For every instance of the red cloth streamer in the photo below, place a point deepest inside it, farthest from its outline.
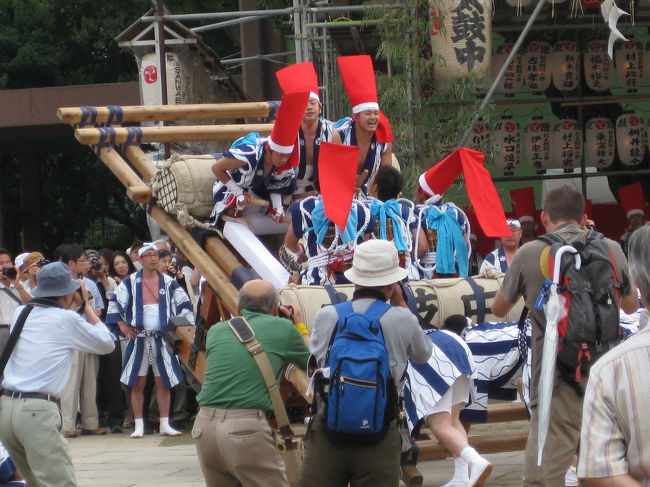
(337, 174)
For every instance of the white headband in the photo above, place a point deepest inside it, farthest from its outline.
(636, 211)
(513, 223)
(362, 107)
(147, 246)
(526, 218)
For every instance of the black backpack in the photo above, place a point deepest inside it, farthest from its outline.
(591, 325)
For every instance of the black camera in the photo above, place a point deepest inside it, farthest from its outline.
(42, 263)
(9, 272)
(95, 264)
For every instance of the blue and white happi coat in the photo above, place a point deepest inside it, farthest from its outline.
(495, 260)
(500, 351)
(7, 469)
(250, 177)
(323, 256)
(425, 384)
(345, 128)
(127, 306)
(452, 245)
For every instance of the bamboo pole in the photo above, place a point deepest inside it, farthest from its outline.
(167, 113)
(141, 161)
(139, 194)
(120, 169)
(176, 133)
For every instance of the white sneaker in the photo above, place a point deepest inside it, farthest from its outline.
(479, 470)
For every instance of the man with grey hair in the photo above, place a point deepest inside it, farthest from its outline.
(615, 424)
(563, 215)
(233, 438)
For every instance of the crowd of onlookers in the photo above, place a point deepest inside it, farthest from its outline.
(95, 402)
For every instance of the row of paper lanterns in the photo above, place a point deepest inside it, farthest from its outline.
(541, 64)
(561, 144)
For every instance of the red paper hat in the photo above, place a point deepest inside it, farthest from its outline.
(480, 188)
(287, 122)
(299, 77)
(337, 176)
(358, 76)
(589, 209)
(632, 199)
(523, 204)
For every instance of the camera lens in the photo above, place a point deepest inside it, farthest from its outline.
(95, 264)
(9, 273)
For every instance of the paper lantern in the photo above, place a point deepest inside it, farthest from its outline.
(646, 61)
(566, 144)
(566, 65)
(630, 139)
(537, 66)
(150, 79)
(629, 65)
(537, 144)
(506, 136)
(597, 66)
(513, 79)
(461, 34)
(479, 134)
(599, 142)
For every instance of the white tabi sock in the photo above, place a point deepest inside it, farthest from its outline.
(138, 429)
(167, 430)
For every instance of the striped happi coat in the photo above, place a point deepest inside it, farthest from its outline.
(500, 351)
(450, 360)
(127, 305)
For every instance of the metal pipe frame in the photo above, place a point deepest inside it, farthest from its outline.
(263, 13)
(570, 175)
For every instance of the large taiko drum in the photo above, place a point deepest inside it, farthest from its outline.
(435, 300)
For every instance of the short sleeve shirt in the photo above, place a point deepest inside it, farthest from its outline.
(524, 278)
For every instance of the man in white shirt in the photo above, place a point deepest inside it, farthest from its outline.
(9, 295)
(38, 371)
(80, 394)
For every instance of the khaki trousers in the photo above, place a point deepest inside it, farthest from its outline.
(561, 440)
(330, 465)
(235, 447)
(30, 430)
(81, 392)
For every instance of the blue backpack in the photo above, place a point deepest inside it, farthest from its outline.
(361, 391)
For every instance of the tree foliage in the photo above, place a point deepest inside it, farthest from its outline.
(428, 118)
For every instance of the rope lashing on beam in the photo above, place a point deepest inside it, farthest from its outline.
(88, 116)
(115, 114)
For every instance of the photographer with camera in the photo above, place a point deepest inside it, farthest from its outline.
(10, 295)
(81, 390)
(29, 268)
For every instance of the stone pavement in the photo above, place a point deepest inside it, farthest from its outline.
(118, 461)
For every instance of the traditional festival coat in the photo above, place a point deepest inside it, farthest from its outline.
(127, 305)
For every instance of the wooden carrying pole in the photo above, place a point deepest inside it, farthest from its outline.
(168, 113)
(177, 133)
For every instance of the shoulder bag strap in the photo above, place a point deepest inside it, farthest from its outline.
(245, 333)
(11, 295)
(13, 337)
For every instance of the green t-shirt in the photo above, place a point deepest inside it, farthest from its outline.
(232, 378)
